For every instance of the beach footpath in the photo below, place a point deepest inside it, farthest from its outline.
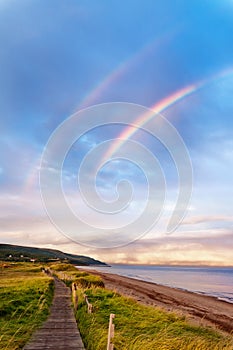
(60, 330)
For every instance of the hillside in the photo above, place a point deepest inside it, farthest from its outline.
(10, 252)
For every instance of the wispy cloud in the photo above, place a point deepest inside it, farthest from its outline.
(195, 220)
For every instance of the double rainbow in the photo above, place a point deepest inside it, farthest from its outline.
(129, 131)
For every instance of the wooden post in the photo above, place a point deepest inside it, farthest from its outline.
(74, 296)
(48, 272)
(111, 328)
(89, 308)
(89, 305)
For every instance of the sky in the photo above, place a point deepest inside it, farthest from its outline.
(175, 57)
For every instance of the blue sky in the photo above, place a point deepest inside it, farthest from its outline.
(57, 57)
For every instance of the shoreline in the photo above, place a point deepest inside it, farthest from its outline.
(221, 298)
(199, 309)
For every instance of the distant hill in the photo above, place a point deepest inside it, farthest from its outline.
(10, 252)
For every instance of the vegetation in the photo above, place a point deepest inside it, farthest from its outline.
(25, 297)
(62, 267)
(140, 327)
(137, 327)
(89, 281)
(66, 272)
(9, 252)
(69, 274)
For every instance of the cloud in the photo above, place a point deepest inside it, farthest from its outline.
(195, 220)
(216, 250)
(27, 224)
(34, 237)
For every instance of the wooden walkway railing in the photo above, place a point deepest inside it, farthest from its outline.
(111, 327)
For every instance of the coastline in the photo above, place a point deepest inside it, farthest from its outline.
(198, 308)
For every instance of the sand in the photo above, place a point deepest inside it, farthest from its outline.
(199, 309)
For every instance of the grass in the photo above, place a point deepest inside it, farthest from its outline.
(63, 267)
(69, 274)
(137, 327)
(25, 297)
(89, 281)
(64, 271)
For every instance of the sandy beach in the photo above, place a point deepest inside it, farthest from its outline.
(199, 309)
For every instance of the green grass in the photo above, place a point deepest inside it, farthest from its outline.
(25, 297)
(69, 274)
(139, 327)
(63, 267)
(89, 281)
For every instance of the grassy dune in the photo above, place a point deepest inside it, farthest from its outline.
(25, 297)
(137, 327)
(140, 327)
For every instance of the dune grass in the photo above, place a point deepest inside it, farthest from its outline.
(139, 327)
(69, 274)
(25, 297)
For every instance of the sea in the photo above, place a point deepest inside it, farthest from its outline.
(213, 281)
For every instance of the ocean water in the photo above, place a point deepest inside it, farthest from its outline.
(214, 281)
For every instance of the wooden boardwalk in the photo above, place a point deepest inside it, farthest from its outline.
(60, 331)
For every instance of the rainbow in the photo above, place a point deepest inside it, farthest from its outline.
(156, 108)
(124, 67)
(160, 106)
(32, 176)
(173, 98)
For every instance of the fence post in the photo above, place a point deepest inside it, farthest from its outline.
(89, 305)
(111, 328)
(89, 308)
(48, 271)
(74, 296)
